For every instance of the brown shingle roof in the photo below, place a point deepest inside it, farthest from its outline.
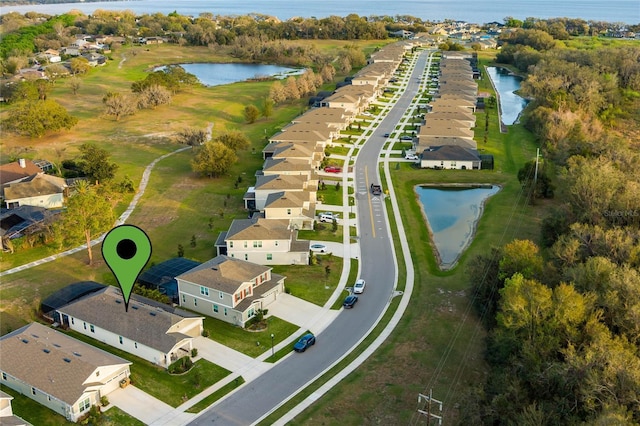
(53, 362)
(260, 229)
(224, 273)
(39, 184)
(12, 171)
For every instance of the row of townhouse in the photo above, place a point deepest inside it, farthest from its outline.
(445, 137)
(235, 285)
(284, 197)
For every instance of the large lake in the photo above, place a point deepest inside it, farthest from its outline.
(452, 214)
(218, 74)
(511, 105)
(433, 10)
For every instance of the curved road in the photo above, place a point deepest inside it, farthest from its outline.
(378, 267)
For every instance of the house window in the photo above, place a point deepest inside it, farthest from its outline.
(204, 291)
(135, 344)
(215, 308)
(276, 243)
(257, 244)
(84, 405)
(85, 325)
(269, 256)
(245, 244)
(230, 244)
(120, 339)
(251, 312)
(195, 302)
(184, 299)
(246, 256)
(4, 376)
(221, 294)
(93, 330)
(72, 320)
(225, 312)
(453, 164)
(33, 391)
(288, 211)
(233, 255)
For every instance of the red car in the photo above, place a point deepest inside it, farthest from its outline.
(332, 169)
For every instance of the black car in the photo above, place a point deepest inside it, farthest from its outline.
(304, 342)
(350, 301)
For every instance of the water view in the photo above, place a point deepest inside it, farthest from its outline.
(511, 105)
(219, 74)
(452, 214)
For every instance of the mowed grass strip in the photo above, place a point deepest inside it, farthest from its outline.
(210, 399)
(313, 283)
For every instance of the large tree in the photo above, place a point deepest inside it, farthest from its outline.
(213, 159)
(88, 214)
(96, 164)
(234, 139)
(251, 113)
(35, 118)
(119, 105)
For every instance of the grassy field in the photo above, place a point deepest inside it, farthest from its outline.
(312, 283)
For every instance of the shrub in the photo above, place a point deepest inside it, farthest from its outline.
(194, 352)
(205, 332)
(104, 401)
(182, 365)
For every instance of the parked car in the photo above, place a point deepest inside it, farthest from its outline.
(411, 157)
(304, 342)
(318, 248)
(386, 135)
(327, 217)
(406, 138)
(358, 287)
(350, 301)
(367, 114)
(333, 169)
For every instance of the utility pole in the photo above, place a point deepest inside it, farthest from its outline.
(429, 399)
(535, 174)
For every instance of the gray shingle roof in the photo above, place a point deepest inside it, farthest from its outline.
(143, 323)
(450, 153)
(53, 362)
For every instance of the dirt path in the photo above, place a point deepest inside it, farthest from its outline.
(124, 58)
(122, 219)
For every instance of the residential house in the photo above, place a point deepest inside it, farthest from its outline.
(266, 242)
(288, 166)
(58, 371)
(426, 142)
(450, 157)
(311, 152)
(6, 412)
(460, 115)
(330, 118)
(444, 130)
(24, 220)
(148, 329)
(307, 132)
(39, 190)
(256, 197)
(298, 207)
(229, 289)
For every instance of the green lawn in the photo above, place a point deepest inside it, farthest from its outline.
(157, 382)
(252, 343)
(39, 415)
(311, 282)
(324, 232)
(330, 195)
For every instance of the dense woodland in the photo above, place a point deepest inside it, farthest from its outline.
(563, 313)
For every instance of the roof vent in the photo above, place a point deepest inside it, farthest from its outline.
(66, 360)
(118, 301)
(46, 351)
(153, 314)
(77, 354)
(56, 345)
(134, 307)
(36, 336)
(25, 341)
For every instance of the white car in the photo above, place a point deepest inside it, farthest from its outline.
(318, 248)
(328, 217)
(411, 157)
(358, 287)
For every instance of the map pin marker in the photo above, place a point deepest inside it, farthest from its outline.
(126, 249)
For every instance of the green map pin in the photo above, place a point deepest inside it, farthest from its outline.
(126, 249)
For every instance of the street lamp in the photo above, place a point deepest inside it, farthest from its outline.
(271, 344)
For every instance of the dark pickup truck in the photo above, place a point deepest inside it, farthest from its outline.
(376, 189)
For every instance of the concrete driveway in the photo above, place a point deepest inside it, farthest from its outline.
(228, 358)
(301, 313)
(139, 404)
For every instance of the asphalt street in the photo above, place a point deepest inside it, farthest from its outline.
(260, 396)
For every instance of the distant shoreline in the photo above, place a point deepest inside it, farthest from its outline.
(48, 2)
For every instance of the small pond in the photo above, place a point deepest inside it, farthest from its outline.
(219, 74)
(452, 213)
(506, 83)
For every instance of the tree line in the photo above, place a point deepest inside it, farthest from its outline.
(562, 314)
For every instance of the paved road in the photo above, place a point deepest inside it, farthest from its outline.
(260, 396)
